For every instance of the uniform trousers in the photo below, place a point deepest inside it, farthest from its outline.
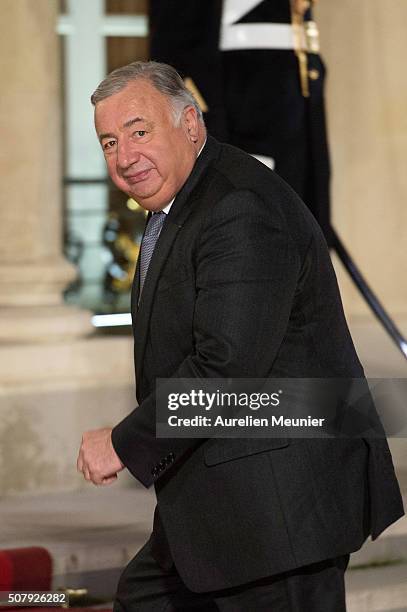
(145, 587)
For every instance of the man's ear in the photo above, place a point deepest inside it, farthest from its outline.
(191, 123)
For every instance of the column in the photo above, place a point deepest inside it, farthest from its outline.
(33, 271)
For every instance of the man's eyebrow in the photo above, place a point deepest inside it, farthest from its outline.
(106, 135)
(128, 124)
(131, 122)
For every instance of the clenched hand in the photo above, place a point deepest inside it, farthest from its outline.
(97, 459)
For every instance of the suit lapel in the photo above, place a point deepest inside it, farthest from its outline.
(176, 218)
(135, 287)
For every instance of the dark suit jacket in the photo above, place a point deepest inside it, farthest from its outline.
(241, 285)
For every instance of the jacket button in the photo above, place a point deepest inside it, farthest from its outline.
(313, 74)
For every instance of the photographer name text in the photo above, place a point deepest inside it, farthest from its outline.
(245, 421)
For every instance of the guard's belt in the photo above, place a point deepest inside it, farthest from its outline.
(269, 36)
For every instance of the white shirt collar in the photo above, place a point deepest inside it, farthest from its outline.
(166, 209)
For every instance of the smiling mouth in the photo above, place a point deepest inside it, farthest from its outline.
(137, 177)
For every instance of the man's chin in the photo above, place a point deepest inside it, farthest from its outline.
(152, 195)
(148, 201)
(143, 194)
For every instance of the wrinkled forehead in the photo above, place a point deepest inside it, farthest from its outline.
(139, 98)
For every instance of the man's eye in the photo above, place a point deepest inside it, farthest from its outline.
(108, 145)
(140, 133)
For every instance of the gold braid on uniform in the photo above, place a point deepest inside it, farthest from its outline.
(306, 40)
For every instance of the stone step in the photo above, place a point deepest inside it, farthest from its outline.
(391, 546)
(378, 589)
(92, 533)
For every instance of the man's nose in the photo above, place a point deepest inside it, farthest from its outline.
(127, 154)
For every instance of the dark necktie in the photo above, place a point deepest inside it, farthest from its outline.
(150, 238)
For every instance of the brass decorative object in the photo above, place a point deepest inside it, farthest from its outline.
(189, 83)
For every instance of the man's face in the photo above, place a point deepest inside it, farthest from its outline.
(147, 156)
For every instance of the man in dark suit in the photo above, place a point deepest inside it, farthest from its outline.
(234, 281)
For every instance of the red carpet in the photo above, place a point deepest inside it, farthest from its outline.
(29, 569)
(25, 569)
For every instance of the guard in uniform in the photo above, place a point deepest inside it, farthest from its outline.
(256, 71)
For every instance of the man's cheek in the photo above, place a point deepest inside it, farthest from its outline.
(115, 176)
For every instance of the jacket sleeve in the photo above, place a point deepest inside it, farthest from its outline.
(246, 275)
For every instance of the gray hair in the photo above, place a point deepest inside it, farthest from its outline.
(162, 76)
